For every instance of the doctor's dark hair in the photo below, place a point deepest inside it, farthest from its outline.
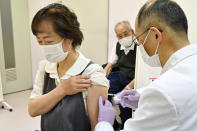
(167, 12)
(63, 20)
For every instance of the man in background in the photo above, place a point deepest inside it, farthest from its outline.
(123, 57)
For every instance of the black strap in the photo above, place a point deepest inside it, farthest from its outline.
(87, 67)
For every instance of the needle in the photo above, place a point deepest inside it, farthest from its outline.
(110, 94)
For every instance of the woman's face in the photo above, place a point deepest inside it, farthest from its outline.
(47, 35)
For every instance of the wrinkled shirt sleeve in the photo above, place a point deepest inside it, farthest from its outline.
(113, 56)
(97, 75)
(39, 80)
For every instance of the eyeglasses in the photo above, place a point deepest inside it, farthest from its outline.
(135, 40)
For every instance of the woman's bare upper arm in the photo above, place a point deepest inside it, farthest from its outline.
(92, 102)
(96, 91)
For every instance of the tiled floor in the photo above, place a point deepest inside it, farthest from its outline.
(19, 119)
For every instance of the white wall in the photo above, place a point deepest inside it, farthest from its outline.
(1, 59)
(189, 7)
(127, 10)
(93, 17)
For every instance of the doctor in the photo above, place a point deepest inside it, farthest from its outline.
(169, 103)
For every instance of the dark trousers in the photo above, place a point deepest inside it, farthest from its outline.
(117, 84)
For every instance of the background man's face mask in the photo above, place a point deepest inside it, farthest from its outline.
(126, 42)
(150, 60)
(54, 53)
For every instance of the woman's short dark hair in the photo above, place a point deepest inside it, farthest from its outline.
(63, 20)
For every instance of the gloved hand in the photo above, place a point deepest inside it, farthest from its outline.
(106, 111)
(130, 97)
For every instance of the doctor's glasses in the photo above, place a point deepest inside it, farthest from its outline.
(135, 40)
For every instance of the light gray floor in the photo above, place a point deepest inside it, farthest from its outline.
(19, 119)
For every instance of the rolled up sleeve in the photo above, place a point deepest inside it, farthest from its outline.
(97, 75)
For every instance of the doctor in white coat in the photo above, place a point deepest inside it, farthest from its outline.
(170, 102)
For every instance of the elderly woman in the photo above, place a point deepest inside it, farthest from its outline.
(67, 85)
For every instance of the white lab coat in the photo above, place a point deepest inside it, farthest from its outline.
(170, 102)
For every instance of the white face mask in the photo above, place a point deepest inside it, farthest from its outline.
(54, 53)
(126, 42)
(150, 60)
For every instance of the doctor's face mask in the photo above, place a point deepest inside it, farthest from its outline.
(153, 60)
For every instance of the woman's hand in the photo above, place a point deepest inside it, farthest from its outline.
(76, 84)
(44, 103)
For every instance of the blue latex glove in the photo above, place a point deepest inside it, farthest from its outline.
(128, 97)
(106, 111)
